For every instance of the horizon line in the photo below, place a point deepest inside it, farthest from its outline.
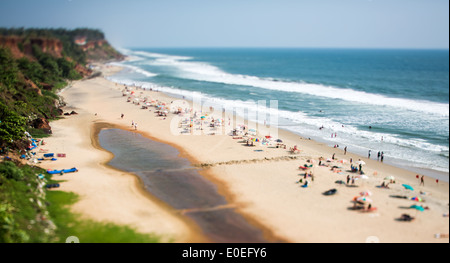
(284, 47)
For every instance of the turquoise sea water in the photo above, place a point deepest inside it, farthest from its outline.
(395, 101)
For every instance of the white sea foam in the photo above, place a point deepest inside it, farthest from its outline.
(135, 69)
(415, 151)
(207, 72)
(393, 145)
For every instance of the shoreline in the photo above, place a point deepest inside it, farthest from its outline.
(397, 163)
(267, 191)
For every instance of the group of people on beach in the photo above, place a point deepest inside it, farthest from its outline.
(380, 155)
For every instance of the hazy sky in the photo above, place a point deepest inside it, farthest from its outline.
(244, 23)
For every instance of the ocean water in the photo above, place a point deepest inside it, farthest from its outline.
(394, 101)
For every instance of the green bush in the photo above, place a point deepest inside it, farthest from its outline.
(21, 205)
(12, 126)
(10, 171)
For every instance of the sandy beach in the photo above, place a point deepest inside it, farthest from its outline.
(261, 182)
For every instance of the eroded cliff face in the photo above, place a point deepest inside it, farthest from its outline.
(23, 47)
(101, 50)
(52, 58)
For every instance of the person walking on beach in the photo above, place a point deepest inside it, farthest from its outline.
(422, 181)
(378, 155)
(348, 179)
(369, 154)
(135, 126)
(345, 150)
(382, 156)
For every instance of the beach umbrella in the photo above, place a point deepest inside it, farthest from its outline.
(366, 193)
(361, 162)
(408, 187)
(417, 198)
(417, 207)
(389, 177)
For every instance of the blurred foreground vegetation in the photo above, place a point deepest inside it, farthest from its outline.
(30, 213)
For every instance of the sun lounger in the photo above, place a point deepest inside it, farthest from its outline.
(62, 171)
(368, 210)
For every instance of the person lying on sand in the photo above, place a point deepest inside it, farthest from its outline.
(384, 185)
(406, 218)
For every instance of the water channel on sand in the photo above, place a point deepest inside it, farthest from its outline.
(173, 180)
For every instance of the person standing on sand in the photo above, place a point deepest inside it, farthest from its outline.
(378, 156)
(422, 181)
(345, 150)
(369, 154)
(135, 126)
(382, 156)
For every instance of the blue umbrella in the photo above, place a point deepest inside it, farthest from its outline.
(408, 187)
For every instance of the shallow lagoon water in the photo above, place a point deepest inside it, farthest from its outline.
(173, 180)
